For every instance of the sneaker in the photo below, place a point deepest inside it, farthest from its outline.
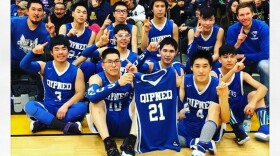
(127, 147)
(37, 126)
(211, 147)
(241, 136)
(198, 150)
(263, 133)
(193, 143)
(111, 148)
(73, 128)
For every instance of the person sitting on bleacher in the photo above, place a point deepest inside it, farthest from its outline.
(64, 87)
(240, 103)
(250, 37)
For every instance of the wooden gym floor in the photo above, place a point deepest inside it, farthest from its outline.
(54, 143)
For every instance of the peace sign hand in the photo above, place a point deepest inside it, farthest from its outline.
(104, 39)
(147, 25)
(199, 30)
(39, 49)
(239, 65)
(222, 88)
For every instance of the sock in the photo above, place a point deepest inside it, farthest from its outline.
(57, 124)
(132, 138)
(236, 130)
(74, 128)
(182, 141)
(208, 131)
(262, 116)
(232, 118)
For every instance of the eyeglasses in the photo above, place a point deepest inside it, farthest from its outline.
(121, 11)
(123, 35)
(116, 62)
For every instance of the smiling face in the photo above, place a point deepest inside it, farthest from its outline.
(122, 38)
(167, 53)
(201, 70)
(111, 64)
(59, 10)
(60, 53)
(245, 16)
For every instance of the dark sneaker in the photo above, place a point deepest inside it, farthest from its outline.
(127, 147)
(37, 126)
(111, 148)
(73, 128)
(263, 133)
(240, 134)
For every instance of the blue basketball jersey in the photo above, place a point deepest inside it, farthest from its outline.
(175, 64)
(112, 42)
(235, 86)
(156, 33)
(119, 98)
(198, 102)
(207, 44)
(59, 86)
(156, 97)
(77, 43)
(118, 115)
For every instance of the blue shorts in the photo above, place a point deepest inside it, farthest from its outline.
(119, 123)
(192, 132)
(237, 106)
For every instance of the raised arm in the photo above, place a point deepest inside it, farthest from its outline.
(106, 23)
(27, 63)
(222, 91)
(218, 44)
(145, 34)
(134, 39)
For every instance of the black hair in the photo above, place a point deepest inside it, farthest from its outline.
(34, 1)
(119, 3)
(202, 55)
(243, 5)
(60, 3)
(164, 1)
(226, 49)
(167, 41)
(119, 27)
(59, 40)
(79, 3)
(109, 51)
(207, 12)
